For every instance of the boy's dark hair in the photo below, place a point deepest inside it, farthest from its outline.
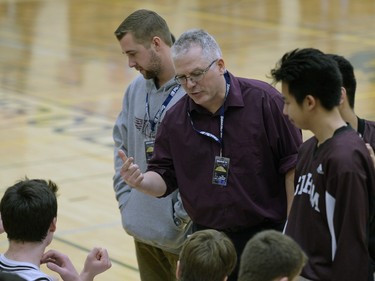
(310, 72)
(28, 209)
(348, 78)
(144, 25)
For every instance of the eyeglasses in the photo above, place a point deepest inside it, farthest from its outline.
(195, 77)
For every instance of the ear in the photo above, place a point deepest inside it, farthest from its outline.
(156, 43)
(310, 102)
(178, 272)
(52, 227)
(225, 278)
(221, 65)
(343, 95)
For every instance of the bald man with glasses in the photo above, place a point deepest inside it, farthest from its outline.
(226, 145)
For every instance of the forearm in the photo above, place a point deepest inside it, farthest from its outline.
(289, 188)
(152, 184)
(86, 276)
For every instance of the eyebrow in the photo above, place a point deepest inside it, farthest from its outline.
(129, 51)
(195, 69)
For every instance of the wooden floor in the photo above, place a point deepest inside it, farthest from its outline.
(62, 78)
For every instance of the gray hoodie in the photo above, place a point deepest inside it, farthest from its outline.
(160, 222)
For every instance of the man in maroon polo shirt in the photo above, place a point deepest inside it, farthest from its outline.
(226, 145)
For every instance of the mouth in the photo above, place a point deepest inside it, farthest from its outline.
(138, 68)
(195, 93)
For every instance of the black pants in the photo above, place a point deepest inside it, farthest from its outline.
(240, 237)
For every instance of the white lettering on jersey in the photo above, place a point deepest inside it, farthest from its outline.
(305, 185)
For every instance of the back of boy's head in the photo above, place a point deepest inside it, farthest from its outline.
(28, 209)
(207, 255)
(348, 77)
(310, 72)
(270, 255)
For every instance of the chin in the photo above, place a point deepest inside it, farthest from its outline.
(148, 75)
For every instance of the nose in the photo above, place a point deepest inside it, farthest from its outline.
(131, 63)
(190, 83)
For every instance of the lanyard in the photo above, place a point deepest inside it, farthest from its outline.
(219, 139)
(161, 109)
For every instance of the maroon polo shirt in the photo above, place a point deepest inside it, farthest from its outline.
(259, 140)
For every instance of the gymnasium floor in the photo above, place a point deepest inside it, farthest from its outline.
(62, 78)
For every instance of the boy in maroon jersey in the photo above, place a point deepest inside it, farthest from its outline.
(365, 128)
(334, 172)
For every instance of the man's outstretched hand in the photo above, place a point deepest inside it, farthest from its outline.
(130, 172)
